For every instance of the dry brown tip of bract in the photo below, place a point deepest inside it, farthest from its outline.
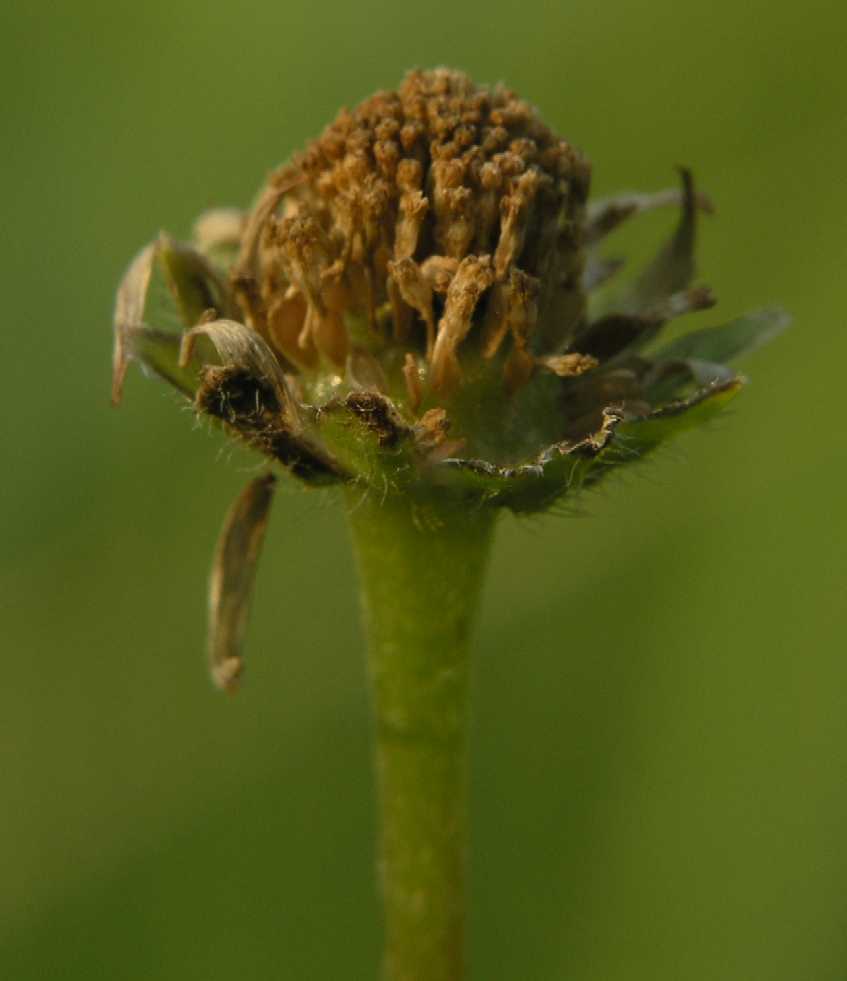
(420, 202)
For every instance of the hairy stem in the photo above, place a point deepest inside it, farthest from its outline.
(421, 569)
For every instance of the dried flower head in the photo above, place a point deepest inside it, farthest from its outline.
(410, 215)
(418, 303)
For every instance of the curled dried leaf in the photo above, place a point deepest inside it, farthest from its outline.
(231, 582)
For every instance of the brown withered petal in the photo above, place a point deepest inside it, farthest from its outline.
(231, 581)
(243, 348)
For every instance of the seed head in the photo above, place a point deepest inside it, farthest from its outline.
(418, 303)
(440, 216)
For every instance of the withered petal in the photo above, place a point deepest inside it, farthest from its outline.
(232, 577)
(242, 347)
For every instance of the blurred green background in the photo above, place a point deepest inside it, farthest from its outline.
(660, 739)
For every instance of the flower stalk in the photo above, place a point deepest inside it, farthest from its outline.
(421, 568)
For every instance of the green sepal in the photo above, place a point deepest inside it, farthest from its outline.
(720, 345)
(158, 353)
(194, 283)
(635, 438)
(566, 468)
(563, 467)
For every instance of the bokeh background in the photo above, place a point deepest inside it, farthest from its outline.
(660, 734)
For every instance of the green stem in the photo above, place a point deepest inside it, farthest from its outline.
(421, 569)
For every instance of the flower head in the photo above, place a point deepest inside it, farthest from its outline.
(418, 303)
